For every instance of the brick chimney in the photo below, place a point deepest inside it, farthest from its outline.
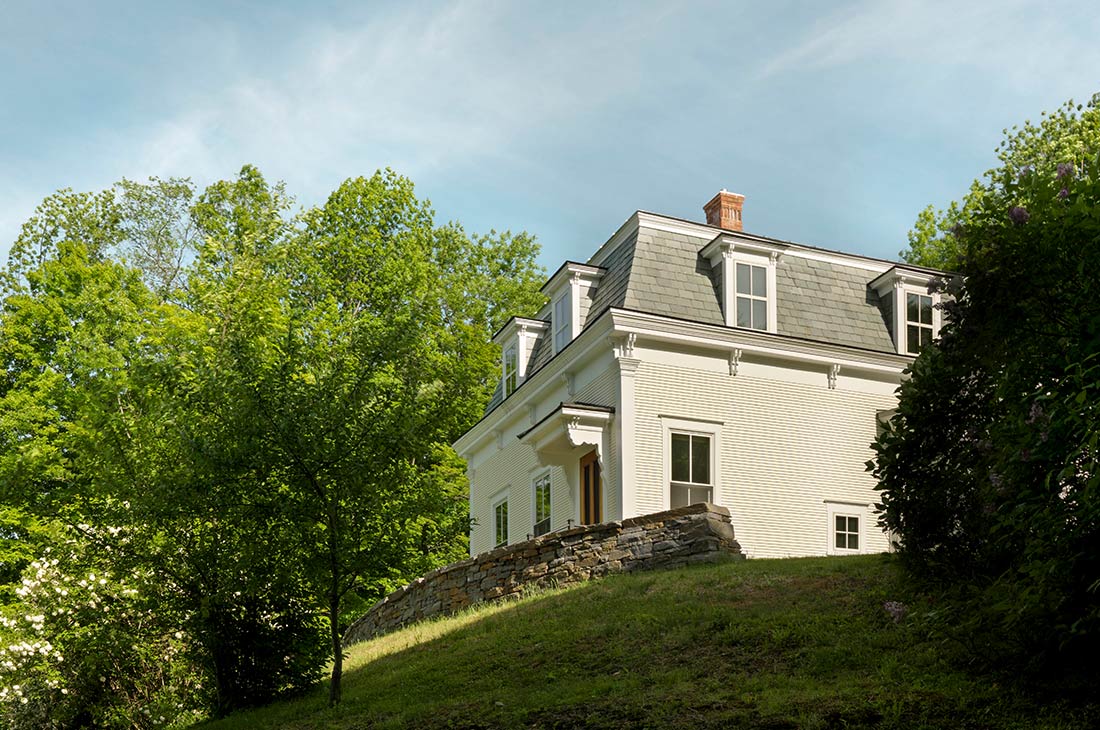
(724, 210)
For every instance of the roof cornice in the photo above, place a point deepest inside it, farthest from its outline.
(902, 274)
(570, 269)
(514, 325)
(729, 242)
(785, 347)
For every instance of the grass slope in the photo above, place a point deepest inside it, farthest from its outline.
(799, 643)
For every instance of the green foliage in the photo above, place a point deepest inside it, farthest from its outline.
(989, 473)
(22, 535)
(85, 647)
(1068, 135)
(261, 404)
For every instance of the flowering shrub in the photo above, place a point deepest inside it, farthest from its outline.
(81, 647)
(989, 474)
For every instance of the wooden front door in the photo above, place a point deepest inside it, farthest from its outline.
(591, 490)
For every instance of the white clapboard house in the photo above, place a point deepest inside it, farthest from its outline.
(693, 362)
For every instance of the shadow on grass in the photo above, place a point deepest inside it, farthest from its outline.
(799, 643)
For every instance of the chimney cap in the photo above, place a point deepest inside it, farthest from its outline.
(724, 210)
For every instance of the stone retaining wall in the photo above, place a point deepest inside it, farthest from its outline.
(696, 534)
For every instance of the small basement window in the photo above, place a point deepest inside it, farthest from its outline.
(846, 533)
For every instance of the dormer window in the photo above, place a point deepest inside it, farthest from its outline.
(918, 322)
(752, 296)
(562, 322)
(570, 289)
(747, 273)
(910, 308)
(509, 371)
(517, 340)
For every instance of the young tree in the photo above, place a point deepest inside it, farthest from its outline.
(359, 347)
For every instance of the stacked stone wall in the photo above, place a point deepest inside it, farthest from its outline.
(696, 534)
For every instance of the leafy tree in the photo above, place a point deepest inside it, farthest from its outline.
(86, 438)
(1068, 135)
(260, 404)
(358, 348)
(990, 473)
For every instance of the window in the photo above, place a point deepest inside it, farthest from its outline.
(500, 522)
(509, 371)
(563, 323)
(752, 296)
(918, 322)
(846, 533)
(542, 505)
(690, 469)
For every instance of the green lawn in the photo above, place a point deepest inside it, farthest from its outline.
(799, 643)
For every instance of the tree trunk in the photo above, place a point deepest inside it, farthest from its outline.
(337, 650)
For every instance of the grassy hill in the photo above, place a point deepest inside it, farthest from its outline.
(801, 643)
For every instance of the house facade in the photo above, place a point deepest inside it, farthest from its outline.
(693, 362)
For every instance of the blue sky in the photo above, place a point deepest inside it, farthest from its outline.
(837, 121)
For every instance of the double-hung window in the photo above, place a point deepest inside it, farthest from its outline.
(692, 481)
(542, 505)
(563, 322)
(846, 533)
(918, 322)
(752, 296)
(500, 523)
(509, 371)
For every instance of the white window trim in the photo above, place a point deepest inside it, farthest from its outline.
(845, 509)
(713, 429)
(901, 316)
(559, 325)
(535, 501)
(732, 257)
(898, 284)
(514, 349)
(498, 499)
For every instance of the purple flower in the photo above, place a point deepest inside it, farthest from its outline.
(1063, 193)
(1035, 413)
(1066, 169)
(1018, 215)
(1024, 172)
(896, 609)
(957, 230)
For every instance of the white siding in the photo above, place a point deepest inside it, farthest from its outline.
(513, 465)
(603, 390)
(789, 444)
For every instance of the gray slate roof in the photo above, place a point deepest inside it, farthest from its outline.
(662, 273)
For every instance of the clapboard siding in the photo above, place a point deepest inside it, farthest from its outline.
(786, 448)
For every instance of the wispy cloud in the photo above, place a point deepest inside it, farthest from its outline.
(416, 88)
(1018, 40)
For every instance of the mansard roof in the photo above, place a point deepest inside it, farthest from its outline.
(655, 264)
